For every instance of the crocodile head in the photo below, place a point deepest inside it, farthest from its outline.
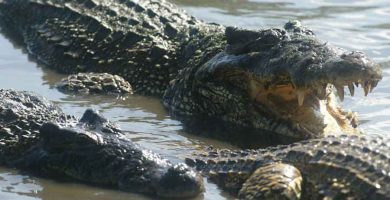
(95, 151)
(281, 81)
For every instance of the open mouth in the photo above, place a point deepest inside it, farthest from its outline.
(294, 98)
(313, 111)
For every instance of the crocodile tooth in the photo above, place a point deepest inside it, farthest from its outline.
(340, 92)
(357, 84)
(351, 89)
(373, 85)
(367, 87)
(300, 96)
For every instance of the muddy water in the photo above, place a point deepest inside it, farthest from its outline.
(362, 25)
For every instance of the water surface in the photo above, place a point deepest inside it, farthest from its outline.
(362, 25)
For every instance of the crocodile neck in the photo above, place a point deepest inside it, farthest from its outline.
(147, 42)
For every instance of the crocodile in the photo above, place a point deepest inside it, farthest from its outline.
(334, 167)
(37, 137)
(278, 82)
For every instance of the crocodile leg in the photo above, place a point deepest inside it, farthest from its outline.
(274, 181)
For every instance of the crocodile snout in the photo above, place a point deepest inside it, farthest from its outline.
(180, 181)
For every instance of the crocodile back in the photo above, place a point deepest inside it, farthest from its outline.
(339, 167)
(137, 40)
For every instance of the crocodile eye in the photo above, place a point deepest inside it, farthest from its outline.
(243, 41)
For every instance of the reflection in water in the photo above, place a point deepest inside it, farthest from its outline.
(352, 24)
(25, 187)
(234, 7)
(275, 9)
(14, 186)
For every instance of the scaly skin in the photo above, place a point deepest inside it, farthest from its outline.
(95, 83)
(344, 167)
(37, 137)
(278, 82)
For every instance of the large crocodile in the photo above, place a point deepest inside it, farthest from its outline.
(276, 80)
(36, 136)
(344, 167)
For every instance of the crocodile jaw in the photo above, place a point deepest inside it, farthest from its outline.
(309, 113)
(337, 121)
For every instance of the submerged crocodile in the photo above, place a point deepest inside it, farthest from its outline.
(344, 167)
(36, 136)
(278, 81)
